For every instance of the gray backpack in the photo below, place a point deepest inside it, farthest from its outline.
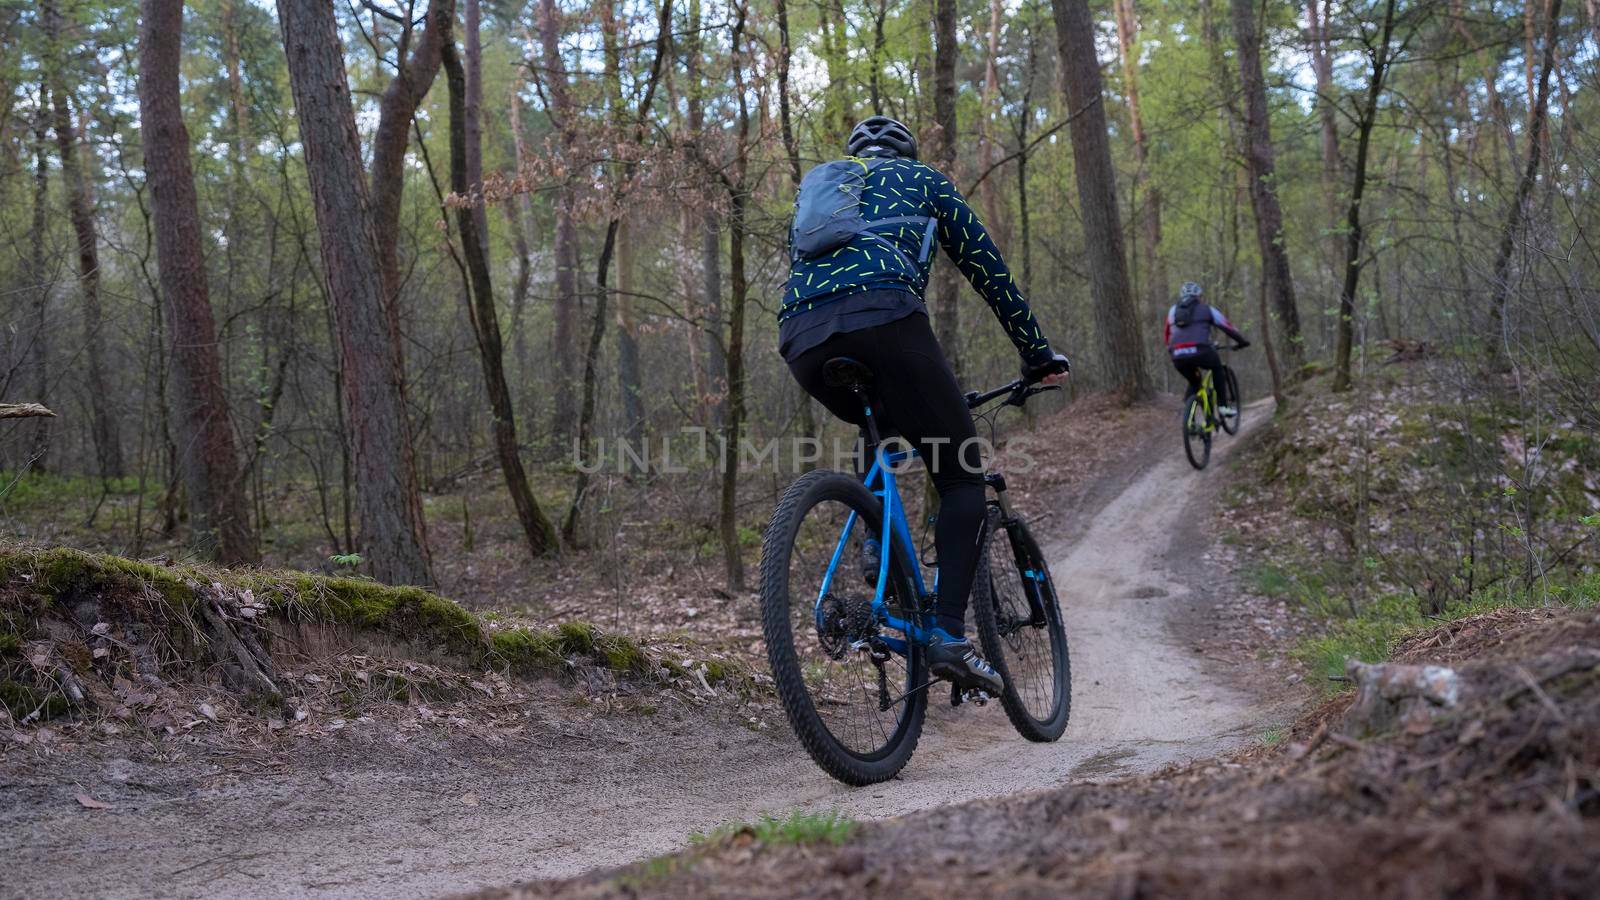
(827, 211)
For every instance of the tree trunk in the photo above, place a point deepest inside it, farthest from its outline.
(396, 106)
(807, 417)
(238, 109)
(628, 374)
(519, 292)
(713, 360)
(38, 277)
(597, 332)
(1258, 155)
(472, 62)
(1499, 351)
(946, 284)
(208, 459)
(536, 528)
(786, 127)
(566, 236)
(1024, 113)
(519, 217)
(1353, 236)
(1116, 317)
(1148, 208)
(738, 197)
(389, 506)
(103, 425)
(988, 147)
(1332, 166)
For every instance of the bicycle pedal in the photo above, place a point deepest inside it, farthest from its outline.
(970, 695)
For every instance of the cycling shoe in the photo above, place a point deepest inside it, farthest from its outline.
(959, 662)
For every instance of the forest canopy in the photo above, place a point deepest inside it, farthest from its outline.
(356, 252)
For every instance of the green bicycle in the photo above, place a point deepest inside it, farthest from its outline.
(1202, 414)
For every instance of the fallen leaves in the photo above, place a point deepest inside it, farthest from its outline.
(88, 802)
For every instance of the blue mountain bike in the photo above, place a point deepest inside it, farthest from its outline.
(846, 612)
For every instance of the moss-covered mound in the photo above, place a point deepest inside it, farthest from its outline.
(1429, 479)
(75, 626)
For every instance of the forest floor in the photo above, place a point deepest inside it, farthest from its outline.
(1488, 789)
(1172, 663)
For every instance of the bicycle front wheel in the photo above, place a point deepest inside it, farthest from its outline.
(1230, 383)
(1196, 439)
(855, 697)
(1019, 624)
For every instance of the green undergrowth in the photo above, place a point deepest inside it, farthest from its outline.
(797, 828)
(1370, 630)
(34, 488)
(77, 589)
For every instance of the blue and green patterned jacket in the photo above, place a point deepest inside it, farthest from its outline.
(906, 187)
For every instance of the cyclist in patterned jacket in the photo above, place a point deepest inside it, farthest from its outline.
(1188, 338)
(864, 300)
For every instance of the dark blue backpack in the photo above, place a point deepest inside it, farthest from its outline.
(827, 211)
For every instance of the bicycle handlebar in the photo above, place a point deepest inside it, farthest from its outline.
(1019, 391)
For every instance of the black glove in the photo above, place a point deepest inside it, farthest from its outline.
(1240, 345)
(1056, 363)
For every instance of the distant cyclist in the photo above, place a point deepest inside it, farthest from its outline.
(860, 253)
(1188, 338)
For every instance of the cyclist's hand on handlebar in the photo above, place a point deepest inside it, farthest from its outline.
(1050, 372)
(1240, 345)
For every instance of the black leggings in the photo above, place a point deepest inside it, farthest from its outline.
(917, 396)
(1190, 366)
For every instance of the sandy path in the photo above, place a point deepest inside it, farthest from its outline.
(398, 825)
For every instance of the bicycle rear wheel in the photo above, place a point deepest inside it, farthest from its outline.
(1230, 389)
(845, 687)
(1019, 625)
(1196, 439)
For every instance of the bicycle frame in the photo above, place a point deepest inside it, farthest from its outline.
(894, 531)
(1208, 399)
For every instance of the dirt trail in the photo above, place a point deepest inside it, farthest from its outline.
(403, 821)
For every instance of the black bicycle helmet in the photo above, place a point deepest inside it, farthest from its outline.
(1191, 290)
(881, 133)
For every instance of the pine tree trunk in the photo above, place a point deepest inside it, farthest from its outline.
(388, 503)
(396, 106)
(1148, 197)
(218, 512)
(38, 277)
(472, 64)
(806, 408)
(988, 147)
(1116, 316)
(946, 283)
(1259, 158)
(628, 373)
(738, 199)
(1332, 166)
(713, 359)
(104, 427)
(566, 236)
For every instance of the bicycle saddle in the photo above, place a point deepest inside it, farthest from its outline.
(844, 372)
